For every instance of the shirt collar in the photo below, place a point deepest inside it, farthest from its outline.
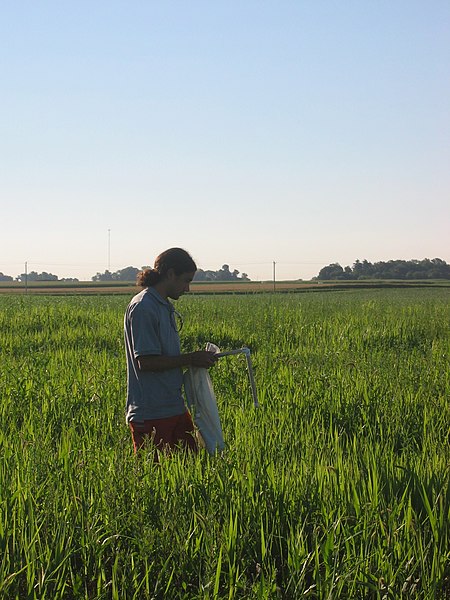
(151, 290)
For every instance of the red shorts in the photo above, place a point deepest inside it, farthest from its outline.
(165, 433)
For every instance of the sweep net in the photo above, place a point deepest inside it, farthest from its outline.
(203, 406)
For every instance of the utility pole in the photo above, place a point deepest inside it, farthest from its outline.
(26, 277)
(109, 250)
(274, 277)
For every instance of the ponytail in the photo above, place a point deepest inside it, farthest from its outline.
(148, 277)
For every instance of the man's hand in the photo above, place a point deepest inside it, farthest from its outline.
(203, 359)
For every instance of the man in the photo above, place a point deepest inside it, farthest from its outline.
(155, 405)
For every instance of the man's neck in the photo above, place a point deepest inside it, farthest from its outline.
(161, 289)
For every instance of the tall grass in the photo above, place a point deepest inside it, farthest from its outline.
(336, 487)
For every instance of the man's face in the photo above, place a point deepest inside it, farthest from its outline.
(178, 284)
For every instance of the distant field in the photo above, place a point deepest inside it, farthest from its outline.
(234, 287)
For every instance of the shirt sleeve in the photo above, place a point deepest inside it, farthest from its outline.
(145, 332)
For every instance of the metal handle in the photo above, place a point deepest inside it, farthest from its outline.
(248, 359)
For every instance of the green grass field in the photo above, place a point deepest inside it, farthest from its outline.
(338, 486)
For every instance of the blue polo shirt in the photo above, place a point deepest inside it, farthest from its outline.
(150, 329)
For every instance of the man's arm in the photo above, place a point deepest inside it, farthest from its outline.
(201, 358)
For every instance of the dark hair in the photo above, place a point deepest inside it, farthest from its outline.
(174, 258)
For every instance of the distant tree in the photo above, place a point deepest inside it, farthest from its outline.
(130, 274)
(362, 270)
(69, 280)
(348, 273)
(5, 277)
(333, 271)
(223, 274)
(106, 276)
(438, 268)
(435, 268)
(126, 274)
(34, 276)
(201, 275)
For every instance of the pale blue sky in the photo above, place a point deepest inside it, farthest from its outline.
(301, 132)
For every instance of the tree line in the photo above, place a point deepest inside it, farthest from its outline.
(35, 276)
(130, 274)
(434, 268)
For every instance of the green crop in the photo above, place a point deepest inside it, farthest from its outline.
(336, 487)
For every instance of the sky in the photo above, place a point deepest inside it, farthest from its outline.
(246, 131)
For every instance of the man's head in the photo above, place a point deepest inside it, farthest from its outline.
(172, 273)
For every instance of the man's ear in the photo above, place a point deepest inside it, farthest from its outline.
(171, 274)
